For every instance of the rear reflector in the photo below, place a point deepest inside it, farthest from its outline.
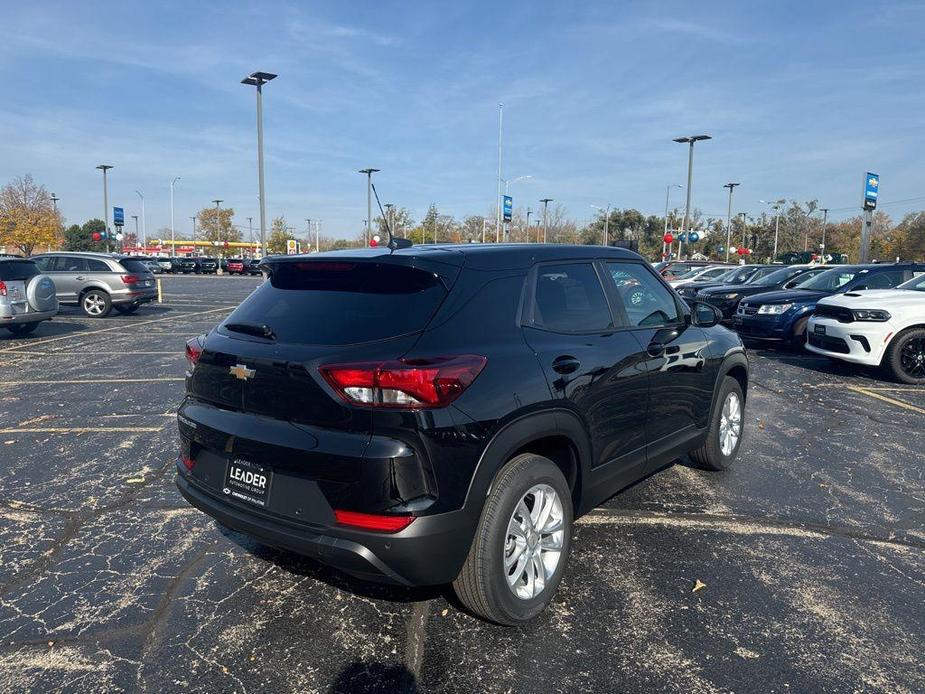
(194, 350)
(130, 279)
(2, 288)
(373, 521)
(188, 462)
(405, 383)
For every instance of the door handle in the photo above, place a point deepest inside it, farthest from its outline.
(565, 364)
(80, 277)
(655, 349)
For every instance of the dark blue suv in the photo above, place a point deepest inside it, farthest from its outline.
(782, 316)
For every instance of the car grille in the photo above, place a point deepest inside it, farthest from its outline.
(829, 344)
(747, 310)
(842, 315)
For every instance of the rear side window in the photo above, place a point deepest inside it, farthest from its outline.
(569, 298)
(133, 265)
(646, 301)
(12, 270)
(338, 303)
(95, 265)
(884, 280)
(65, 263)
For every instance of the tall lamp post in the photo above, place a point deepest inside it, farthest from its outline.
(527, 235)
(825, 215)
(369, 201)
(258, 79)
(144, 232)
(507, 186)
(665, 233)
(776, 207)
(690, 139)
(545, 202)
(218, 204)
(606, 211)
(498, 201)
(135, 217)
(388, 214)
(194, 227)
(104, 168)
(730, 186)
(173, 232)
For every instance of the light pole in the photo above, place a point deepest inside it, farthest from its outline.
(665, 233)
(194, 227)
(507, 187)
(218, 203)
(173, 232)
(606, 211)
(825, 215)
(144, 232)
(369, 201)
(690, 139)
(498, 217)
(730, 186)
(545, 202)
(135, 217)
(54, 202)
(104, 168)
(258, 79)
(250, 231)
(776, 207)
(388, 215)
(529, 212)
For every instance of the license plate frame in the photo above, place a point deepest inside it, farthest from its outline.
(819, 329)
(248, 482)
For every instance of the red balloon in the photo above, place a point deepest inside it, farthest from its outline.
(748, 251)
(96, 236)
(741, 251)
(373, 243)
(668, 238)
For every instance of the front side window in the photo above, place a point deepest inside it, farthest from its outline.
(569, 298)
(882, 280)
(916, 284)
(830, 280)
(645, 300)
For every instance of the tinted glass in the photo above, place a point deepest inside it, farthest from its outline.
(646, 300)
(916, 284)
(830, 280)
(11, 270)
(94, 265)
(45, 263)
(64, 263)
(742, 275)
(759, 274)
(569, 298)
(337, 303)
(777, 276)
(133, 265)
(882, 280)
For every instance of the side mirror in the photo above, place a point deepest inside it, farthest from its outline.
(705, 315)
(790, 285)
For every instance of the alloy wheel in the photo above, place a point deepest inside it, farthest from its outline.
(730, 424)
(534, 540)
(912, 358)
(94, 304)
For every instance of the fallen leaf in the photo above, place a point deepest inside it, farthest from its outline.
(135, 480)
(7, 443)
(51, 643)
(698, 585)
(444, 613)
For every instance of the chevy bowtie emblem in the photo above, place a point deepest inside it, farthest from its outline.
(242, 372)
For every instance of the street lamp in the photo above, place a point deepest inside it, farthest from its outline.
(104, 168)
(606, 212)
(54, 202)
(498, 201)
(369, 201)
(144, 233)
(507, 185)
(730, 186)
(545, 202)
(258, 79)
(218, 203)
(776, 207)
(388, 214)
(825, 215)
(135, 217)
(690, 139)
(194, 227)
(529, 212)
(173, 233)
(667, 194)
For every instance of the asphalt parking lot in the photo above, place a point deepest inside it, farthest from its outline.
(811, 550)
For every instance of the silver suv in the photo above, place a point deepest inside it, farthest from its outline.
(27, 297)
(98, 282)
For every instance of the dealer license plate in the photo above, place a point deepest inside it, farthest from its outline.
(248, 482)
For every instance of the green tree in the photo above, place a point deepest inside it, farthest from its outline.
(401, 221)
(279, 234)
(80, 238)
(217, 225)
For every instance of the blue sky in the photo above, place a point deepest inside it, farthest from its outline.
(801, 99)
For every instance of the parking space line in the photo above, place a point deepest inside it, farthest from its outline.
(84, 430)
(164, 379)
(884, 398)
(46, 340)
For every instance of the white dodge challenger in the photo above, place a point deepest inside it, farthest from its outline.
(876, 327)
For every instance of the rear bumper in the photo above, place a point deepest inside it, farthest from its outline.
(135, 296)
(430, 551)
(9, 318)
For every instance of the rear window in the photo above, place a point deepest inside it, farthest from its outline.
(134, 265)
(338, 303)
(11, 270)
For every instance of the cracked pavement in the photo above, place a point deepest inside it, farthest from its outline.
(811, 549)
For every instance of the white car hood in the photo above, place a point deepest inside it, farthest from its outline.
(878, 298)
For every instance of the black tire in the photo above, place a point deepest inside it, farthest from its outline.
(126, 309)
(905, 357)
(710, 455)
(482, 584)
(798, 338)
(95, 303)
(22, 328)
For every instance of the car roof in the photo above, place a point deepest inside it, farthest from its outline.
(489, 256)
(86, 254)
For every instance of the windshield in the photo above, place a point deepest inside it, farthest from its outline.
(916, 284)
(741, 275)
(830, 280)
(11, 270)
(759, 274)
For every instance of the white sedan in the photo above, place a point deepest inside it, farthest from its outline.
(701, 274)
(876, 327)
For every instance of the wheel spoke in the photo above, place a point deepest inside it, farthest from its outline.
(534, 541)
(519, 548)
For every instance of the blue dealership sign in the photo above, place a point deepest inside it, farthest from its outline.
(118, 216)
(871, 190)
(508, 208)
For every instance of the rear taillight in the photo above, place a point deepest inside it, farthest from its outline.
(130, 279)
(373, 521)
(2, 288)
(194, 350)
(188, 462)
(405, 383)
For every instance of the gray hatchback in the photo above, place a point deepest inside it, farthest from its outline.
(98, 283)
(27, 297)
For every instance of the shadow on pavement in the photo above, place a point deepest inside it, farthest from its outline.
(365, 678)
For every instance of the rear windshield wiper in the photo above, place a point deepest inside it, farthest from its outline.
(264, 331)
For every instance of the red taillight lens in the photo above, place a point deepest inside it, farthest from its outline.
(130, 279)
(405, 383)
(2, 288)
(373, 521)
(194, 350)
(188, 462)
